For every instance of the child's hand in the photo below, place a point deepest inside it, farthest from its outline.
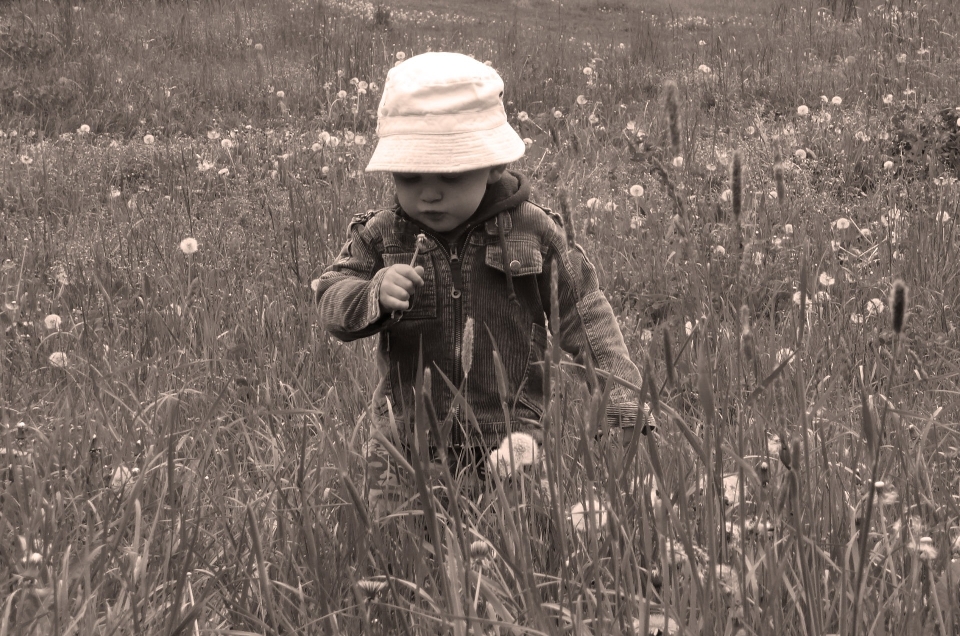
(399, 284)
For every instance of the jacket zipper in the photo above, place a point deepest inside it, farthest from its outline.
(454, 256)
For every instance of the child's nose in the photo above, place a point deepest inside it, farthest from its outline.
(431, 194)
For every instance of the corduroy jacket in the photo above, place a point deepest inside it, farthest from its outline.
(472, 278)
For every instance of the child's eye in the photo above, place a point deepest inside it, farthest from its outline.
(406, 178)
(450, 178)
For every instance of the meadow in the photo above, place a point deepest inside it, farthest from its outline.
(768, 192)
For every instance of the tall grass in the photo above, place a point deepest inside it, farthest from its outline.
(182, 444)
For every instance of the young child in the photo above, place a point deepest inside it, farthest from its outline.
(463, 244)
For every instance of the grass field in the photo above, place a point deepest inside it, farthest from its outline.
(182, 443)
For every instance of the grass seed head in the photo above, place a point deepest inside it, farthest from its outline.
(898, 304)
(736, 184)
(673, 113)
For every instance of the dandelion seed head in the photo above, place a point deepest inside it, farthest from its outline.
(826, 279)
(587, 71)
(149, 139)
(703, 68)
(226, 144)
(803, 110)
(523, 116)
(581, 100)
(842, 223)
(837, 100)
(59, 360)
(188, 245)
(52, 322)
(888, 165)
(83, 129)
(800, 154)
(580, 515)
(636, 190)
(677, 162)
(558, 114)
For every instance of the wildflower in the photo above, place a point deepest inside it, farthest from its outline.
(334, 142)
(224, 172)
(480, 550)
(703, 68)
(725, 195)
(59, 360)
(558, 114)
(788, 228)
(636, 222)
(701, 43)
(581, 100)
(902, 58)
(371, 587)
(857, 318)
(527, 141)
(257, 47)
(26, 160)
(842, 223)
(121, 478)
(874, 307)
(83, 129)
(325, 170)
(796, 299)
(711, 167)
(888, 99)
(837, 100)
(205, 165)
(824, 99)
(924, 549)
(348, 137)
(636, 190)
(362, 86)
(943, 216)
(523, 116)
(149, 139)
(803, 110)
(226, 144)
(719, 250)
(826, 279)
(401, 56)
(281, 94)
(316, 147)
(359, 140)
(188, 245)
(783, 355)
(132, 203)
(677, 162)
(800, 154)
(592, 203)
(341, 94)
(580, 512)
(516, 452)
(52, 321)
(587, 71)
(888, 165)
(751, 131)
(115, 193)
(213, 135)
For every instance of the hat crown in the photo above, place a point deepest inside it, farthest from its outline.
(443, 112)
(431, 93)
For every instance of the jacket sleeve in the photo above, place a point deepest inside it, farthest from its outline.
(348, 291)
(588, 325)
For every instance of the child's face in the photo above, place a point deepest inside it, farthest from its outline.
(442, 201)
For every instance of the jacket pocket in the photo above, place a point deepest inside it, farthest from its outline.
(523, 257)
(531, 394)
(424, 303)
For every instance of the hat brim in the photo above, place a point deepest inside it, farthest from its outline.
(447, 152)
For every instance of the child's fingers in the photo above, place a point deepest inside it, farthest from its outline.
(412, 274)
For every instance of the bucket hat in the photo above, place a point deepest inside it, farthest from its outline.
(443, 112)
